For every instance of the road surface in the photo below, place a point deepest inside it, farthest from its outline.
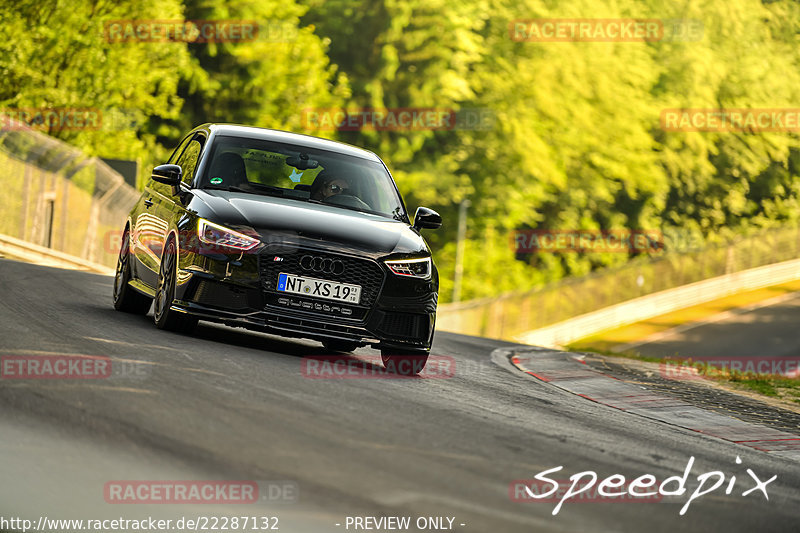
(227, 404)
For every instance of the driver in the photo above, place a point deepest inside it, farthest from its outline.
(329, 186)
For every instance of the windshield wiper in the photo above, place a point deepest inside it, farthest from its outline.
(280, 191)
(231, 188)
(259, 189)
(234, 188)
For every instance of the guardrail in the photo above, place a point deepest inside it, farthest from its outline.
(57, 197)
(563, 333)
(17, 249)
(513, 315)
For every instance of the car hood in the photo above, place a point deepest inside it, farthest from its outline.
(287, 221)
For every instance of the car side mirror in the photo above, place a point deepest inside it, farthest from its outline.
(168, 175)
(426, 218)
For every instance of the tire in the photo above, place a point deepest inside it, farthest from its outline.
(405, 363)
(339, 346)
(127, 299)
(164, 317)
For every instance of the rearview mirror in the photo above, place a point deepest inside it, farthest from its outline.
(167, 174)
(427, 218)
(302, 162)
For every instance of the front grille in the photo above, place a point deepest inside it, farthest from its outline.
(315, 327)
(363, 272)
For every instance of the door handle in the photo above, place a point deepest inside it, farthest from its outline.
(148, 203)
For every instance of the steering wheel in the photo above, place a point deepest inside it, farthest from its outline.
(348, 200)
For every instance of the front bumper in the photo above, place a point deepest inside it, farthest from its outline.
(397, 313)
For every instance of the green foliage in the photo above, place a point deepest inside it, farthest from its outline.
(263, 82)
(575, 143)
(54, 55)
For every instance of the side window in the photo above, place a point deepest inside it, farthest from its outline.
(188, 159)
(179, 149)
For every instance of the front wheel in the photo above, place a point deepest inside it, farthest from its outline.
(406, 362)
(125, 298)
(165, 317)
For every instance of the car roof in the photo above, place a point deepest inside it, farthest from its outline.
(237, 130)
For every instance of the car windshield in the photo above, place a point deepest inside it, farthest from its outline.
(302, 173)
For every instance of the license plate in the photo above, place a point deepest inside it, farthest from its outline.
(319, 288)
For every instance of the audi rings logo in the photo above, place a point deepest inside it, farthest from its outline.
(322, 264)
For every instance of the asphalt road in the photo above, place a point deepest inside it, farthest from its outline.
(229, 404)
(768, 329)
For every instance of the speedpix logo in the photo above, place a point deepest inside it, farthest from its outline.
(643, 488)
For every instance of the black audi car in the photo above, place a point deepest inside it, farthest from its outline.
(283, 233)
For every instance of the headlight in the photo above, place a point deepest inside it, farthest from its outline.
(217, 235)
(413, 268)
